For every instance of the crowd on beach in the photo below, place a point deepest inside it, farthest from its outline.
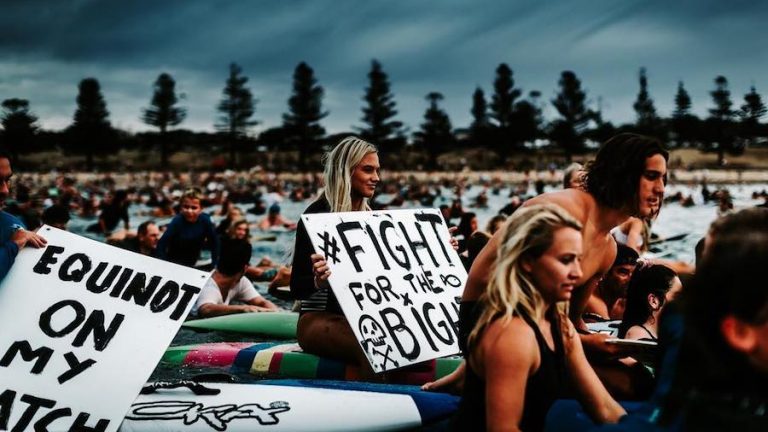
(549, 277)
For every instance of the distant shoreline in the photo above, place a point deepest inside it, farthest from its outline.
(677, 176)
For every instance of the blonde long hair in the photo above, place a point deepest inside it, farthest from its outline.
(528, 233)
(339, 164)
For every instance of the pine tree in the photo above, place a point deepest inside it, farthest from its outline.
(570, 103)
(682, 102)
(647, 121)
(684, 124)
(721, 97)
(379, 111)
(302, 122)
(436, 134)
(163, 112)
(478, 129)
(19, 126)
(720, 128)
(751, 112)
(528, 118)
(503, 108)
(237, 106)
(91, 130)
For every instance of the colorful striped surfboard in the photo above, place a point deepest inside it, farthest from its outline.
(288, 361)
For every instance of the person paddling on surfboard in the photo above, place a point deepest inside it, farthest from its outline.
(228, 284)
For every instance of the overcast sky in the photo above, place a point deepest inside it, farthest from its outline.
(448, 46)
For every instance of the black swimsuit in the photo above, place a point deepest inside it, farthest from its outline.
(542, 388)
(650, 337)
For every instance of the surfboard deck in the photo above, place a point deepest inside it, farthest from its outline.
(288, 406)
(271, 359)
(273, 324)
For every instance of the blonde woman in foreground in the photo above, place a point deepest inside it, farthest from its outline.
(524, 351)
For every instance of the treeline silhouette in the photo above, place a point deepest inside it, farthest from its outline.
(505, 123)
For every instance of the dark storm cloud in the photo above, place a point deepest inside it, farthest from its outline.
(449, 46)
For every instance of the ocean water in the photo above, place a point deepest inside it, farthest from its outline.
(673, 220)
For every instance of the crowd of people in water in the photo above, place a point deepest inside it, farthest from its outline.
(561, 300)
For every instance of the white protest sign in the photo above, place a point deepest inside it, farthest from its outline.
(397, 279)
(83, 326)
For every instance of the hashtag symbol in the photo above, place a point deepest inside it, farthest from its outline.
(329, 247)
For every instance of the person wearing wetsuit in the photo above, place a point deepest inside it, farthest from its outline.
(188, 233)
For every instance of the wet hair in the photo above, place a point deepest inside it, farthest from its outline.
(120, 196)
(732, 264)
(142, 229)
(625, 255)
(569, 172)
(231, 230)
(646, 279)
(339, 165)
(465, 225)
(528, 234)
(613, 177)
(193, 194)
(475, 243)
(5, 154)
(498, 219)
(235, 255)
(55, 215)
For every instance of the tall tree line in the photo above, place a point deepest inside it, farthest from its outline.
(508, 120)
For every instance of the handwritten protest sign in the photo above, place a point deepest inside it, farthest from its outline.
(83, 326)
(397, 279)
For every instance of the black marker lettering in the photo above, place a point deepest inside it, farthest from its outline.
(67, 273)
(342, 229)
(33, 404)
(45, 318)
(95, 324)
(75, 367)
(417, 245)
(23, 348)
(358, 297)
(189, 291)
(435, 220)
(377, 246)
(93, 285)
(397, 330)
(405, 263)
(48, 258)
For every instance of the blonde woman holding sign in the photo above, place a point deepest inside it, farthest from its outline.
(351, 174)
(524, 351)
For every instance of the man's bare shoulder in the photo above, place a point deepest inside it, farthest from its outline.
(574, 201)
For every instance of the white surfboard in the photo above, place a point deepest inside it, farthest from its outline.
(249, 407)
